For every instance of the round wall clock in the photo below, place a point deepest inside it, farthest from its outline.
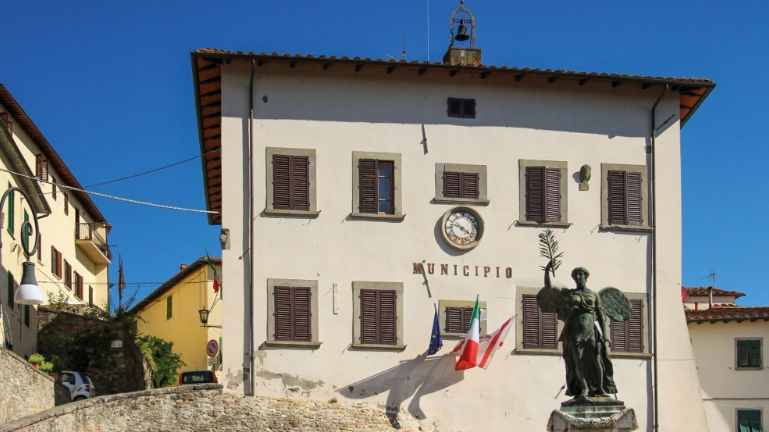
(462, 228)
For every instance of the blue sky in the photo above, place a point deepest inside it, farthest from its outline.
(110, 85)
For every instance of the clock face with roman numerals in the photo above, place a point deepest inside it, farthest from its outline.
(462, 228)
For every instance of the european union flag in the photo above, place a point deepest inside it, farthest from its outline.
(436, 343)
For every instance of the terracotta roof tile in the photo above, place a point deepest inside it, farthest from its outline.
(703, 291)
(736, 313)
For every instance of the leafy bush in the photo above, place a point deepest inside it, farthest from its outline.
(164, 363)
(56, 364)
(36, 358)
(46, 366)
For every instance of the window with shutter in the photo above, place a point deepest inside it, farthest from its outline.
(169, 307)
(291, 182)
(543, 194)
(53, 188)
(90, 296)
(67, 275)
(11, 291)
(11, 210)
(41, 171)
(39, 247)
(378, 317)
(749, 420)
(464, 108)
(293, 313)
(627, 336)
(625, 198)
(377, 186)
(540, 329)
(66, 204)
(749, 353)
(78, 286)
(6, 119)
(460, 185)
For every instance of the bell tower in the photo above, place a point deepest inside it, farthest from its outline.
(461, 55)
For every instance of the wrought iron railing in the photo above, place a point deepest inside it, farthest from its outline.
(90, 231)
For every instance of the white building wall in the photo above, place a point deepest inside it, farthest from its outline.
(725, 388)
(339, 112)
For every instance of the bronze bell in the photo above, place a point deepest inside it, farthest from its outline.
(462, 32)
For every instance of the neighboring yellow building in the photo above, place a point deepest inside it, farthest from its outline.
(73, 256)
(172, 313)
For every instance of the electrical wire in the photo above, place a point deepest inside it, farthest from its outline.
(150, 171)
(128, 200)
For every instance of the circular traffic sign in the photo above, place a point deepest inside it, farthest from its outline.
(212, 348)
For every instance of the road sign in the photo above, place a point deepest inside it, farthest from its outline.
(212, 348)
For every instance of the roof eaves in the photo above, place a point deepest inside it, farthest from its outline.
(170, 283)
(32, 188)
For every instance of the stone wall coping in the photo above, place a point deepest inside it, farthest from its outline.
(27, 364)
(86, 403)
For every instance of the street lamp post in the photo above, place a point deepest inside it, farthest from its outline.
(28, 292)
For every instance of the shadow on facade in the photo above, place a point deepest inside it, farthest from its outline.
(411, 379)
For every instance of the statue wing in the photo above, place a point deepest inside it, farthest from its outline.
(553, 300)
(615, 305)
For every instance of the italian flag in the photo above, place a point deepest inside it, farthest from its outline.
(477, 351)
(469, 347)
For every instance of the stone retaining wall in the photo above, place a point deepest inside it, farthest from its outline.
(23, 389)
(200, 408)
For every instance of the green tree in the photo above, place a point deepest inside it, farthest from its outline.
(163, 361)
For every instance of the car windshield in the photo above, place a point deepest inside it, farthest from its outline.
(196, 377)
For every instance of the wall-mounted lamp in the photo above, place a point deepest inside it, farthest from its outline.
(224, 238)
(28, 292)
(204, 316)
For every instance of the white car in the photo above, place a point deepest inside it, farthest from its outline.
(79, 384)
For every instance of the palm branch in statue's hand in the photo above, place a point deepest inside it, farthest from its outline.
(548, 248)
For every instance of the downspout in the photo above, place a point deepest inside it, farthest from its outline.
(251, 226)
(653, 224)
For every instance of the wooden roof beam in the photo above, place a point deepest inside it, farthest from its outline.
(390, 69)
(485, 74)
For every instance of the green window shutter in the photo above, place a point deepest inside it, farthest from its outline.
(749, 421)
(25, 235)
(10, 290)
(11, 202)
(749, 353)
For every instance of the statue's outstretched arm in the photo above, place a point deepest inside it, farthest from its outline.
(548, 269)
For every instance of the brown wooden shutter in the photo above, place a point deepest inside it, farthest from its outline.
(283, 314)
(617, 210)
(627, 336)
(281, 182)
(535, 194)
(367, 185)
(90, 296)
(41, 167)
(300, 179)
(540, 329)
(634, 199)
(58, 263)
(368, 317)
(302, 314)
(467, 317)
(470, 185)
(378, 317)
(66, 204)
(454, 318)
(39, 247)
(451, 184)
(552, 195)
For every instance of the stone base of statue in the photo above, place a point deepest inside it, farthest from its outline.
(593, 414)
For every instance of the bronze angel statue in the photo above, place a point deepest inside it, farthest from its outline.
(585, 336)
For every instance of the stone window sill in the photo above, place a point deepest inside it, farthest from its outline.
(537, 351)
(543, 224)
(382, 217)
(378, 347)
(293, 344)
(748, 368)
(626, 228)
(442, 200)
(629, 355)
(292, 213)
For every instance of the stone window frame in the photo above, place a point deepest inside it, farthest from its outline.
(644, 170)
(646, 354)
(313, 189)
(443, 304)
(398, 215)
(357, 286)
(519, 349)
(314, 319)
(736, 349)
(560, 165)
(481, 170)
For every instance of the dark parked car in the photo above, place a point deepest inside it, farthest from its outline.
(197, 377)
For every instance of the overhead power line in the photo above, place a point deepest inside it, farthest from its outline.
(128, 200)
(150, 171)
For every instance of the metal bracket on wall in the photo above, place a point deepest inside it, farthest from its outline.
(336, 299)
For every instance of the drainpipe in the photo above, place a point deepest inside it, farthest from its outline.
(251, 227)
(653, 224)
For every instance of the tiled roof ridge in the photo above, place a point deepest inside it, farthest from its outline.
(63, 172)
(170, 283)
(425, 62)
(736, 313)
(716, 291)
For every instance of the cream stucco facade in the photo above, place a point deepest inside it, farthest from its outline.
(344, 110)
(59, 216)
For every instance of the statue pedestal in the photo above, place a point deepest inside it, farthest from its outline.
(593, 414)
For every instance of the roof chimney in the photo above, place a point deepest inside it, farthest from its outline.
(182, 266)
(710, 297)
(462, 56)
